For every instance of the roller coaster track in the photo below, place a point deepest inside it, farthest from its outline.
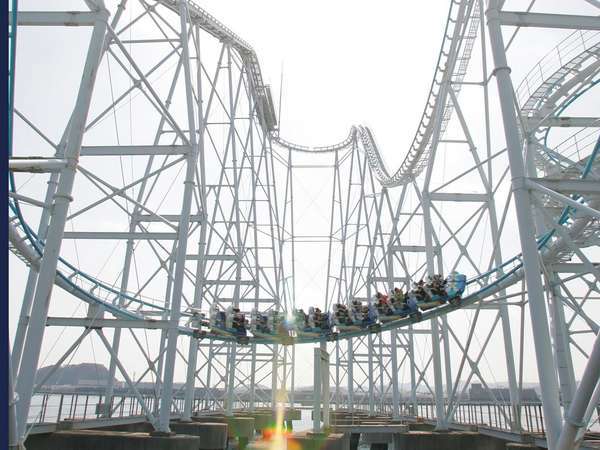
(551, 90)
(457, 45)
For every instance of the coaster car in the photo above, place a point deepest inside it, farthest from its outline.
(356, 316)
(396, 305)
(268, 325)
(315, 323)
(424, 295)
(231, 322)
(388, 308)
(412, 306)
(455, 287)
(341, 316)
(437, 290)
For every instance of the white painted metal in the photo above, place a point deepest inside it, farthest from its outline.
(522, 19)
(61, 199)
(243, 259)
(317, 389)
(576, 413)
(541, 335)
(191, 160)
(37, 165)
(13, 436)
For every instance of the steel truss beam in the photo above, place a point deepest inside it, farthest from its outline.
(527, 19)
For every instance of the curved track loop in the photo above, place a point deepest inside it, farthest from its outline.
(537, 95)
(320, 149)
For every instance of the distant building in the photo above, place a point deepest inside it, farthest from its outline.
(477, 393)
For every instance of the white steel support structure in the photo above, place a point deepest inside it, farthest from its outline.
(541, 334)
(200, 264)
(236, 235)
(202, 214)
(182, 231)
(574, 418)
(61, 198)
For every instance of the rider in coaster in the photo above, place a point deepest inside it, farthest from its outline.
(398, 299)
(341, 314)
(357, 311)
(419, 290)
(239, 321)
(301, 318)
(364, 310)
(438, 285)
(411, 301)
(318, 318)
(382, 304)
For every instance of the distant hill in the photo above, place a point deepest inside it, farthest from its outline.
(86, 374)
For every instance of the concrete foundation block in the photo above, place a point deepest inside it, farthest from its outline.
(376, 438)
(263, 420)
(427, 440)
(213, 436)
(118, 440)
(317, 441)
(237, 426)
(240, 427)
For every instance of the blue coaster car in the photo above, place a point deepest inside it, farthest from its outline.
(315, 322)
(341, 316)
(231, 322)
(396, 306)
(409, 308)
(390, 308)
(356, 316)
(412, 306)
(430, 293)
(437, 290)
(455, 286)
(370, 315)
(271, 324)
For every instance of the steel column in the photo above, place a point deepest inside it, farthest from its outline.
(576, 413)
(537, 307)
(200, 265)
(182, 234)
(62, 198)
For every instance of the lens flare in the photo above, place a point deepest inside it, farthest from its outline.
(277, 434)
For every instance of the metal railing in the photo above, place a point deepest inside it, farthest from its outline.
(51, 407)
(492, 415)
(497, 415)
(55, 407)
(562, 58)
